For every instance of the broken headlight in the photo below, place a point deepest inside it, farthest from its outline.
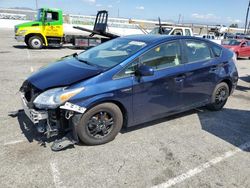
(53, 98)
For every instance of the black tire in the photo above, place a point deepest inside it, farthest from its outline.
(26, 42)
(237, 55)
(97, 121)
(219, 97)
(35, 42)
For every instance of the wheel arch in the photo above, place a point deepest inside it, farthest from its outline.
(117, 103)
(229, 83)
(36, 34)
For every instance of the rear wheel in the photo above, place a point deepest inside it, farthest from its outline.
(100, 124)
(237, 55)
(35, 42)
(219, 97)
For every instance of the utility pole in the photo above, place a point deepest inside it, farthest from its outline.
(247, 18)
(179, 19)
(36, 5)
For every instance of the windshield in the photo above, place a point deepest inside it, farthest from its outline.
(232, 42)
(165, 30)
(111, 53)
(39, 15)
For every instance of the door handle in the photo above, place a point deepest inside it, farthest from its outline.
(179, 78)
(213, 68)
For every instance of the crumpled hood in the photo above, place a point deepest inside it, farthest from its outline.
(62, 73)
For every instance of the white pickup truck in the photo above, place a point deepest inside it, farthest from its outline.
(173, 30)
(210, 37)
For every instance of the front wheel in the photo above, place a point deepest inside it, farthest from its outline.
(35, 42)
(219, 97)
(100, 124)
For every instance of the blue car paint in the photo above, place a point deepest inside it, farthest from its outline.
(62, 73)
(151, 97)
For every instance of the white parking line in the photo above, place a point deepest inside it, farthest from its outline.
(31, 69)
(56, 175)
(201, 168)
(13, 142)
(28, 53)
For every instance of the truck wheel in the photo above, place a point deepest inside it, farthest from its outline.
(219, 97)
(35, 42)
(100, 124)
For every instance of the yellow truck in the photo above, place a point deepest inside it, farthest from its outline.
(48, 30)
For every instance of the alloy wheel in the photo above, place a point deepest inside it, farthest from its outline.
(100, 124)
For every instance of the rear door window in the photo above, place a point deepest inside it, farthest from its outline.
(216, 50)
(197, 51)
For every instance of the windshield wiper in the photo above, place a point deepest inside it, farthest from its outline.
(75, 55)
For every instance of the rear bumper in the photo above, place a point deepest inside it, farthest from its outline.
(19, 38)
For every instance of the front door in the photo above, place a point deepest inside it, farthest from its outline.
(53, 24)
(161, 93)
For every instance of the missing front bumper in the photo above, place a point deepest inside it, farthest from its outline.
(34, 115)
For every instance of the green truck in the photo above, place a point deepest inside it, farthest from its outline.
(48, 30)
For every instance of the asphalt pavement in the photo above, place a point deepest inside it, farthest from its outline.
(198, 148)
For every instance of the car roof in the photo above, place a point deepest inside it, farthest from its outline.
(148, 38)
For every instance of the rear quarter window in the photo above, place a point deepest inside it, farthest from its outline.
(216, 50)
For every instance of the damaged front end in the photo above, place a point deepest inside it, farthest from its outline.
(49, 111)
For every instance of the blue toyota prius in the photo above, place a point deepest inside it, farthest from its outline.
(127, 81)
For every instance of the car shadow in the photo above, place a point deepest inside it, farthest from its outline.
(230, 125)
(20, 46)
(245, 78)
(157, 121)
(242, 88)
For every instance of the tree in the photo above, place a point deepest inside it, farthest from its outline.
(234, 25)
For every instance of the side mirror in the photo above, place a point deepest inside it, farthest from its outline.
(144, 70)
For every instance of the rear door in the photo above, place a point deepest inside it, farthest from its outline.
(201, 72)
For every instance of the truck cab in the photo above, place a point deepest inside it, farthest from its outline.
(169, 30)
(46, 30)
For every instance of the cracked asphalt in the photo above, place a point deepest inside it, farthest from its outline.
(197, 148)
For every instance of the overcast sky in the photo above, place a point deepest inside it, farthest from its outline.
(199, 11)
